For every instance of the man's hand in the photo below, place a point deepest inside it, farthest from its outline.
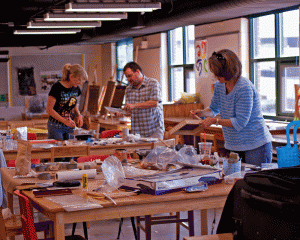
(129, 106)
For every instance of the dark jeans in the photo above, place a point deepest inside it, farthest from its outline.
(58, 132)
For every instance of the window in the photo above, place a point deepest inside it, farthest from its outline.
(181, 54)
(274, 60)
(124, 55)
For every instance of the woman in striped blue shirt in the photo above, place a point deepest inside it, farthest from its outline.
(236, 107)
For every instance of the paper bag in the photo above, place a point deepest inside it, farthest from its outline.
(23, 161)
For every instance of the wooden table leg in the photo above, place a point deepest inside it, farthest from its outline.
(59, 227)
(204, 227)
(10, 201)
(191, 223)
(148, 227)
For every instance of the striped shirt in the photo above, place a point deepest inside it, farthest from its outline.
(242, 107)
(148, 120)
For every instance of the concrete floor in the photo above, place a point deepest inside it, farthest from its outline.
(108, 229)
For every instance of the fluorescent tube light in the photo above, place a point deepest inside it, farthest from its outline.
(47, 31)
(112, 7)
(84, 17)
(34, 25)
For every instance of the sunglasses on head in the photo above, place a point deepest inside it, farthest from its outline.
(218, 56)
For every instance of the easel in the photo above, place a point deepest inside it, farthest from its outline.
(114, 95)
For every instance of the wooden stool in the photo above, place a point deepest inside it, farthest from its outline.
(154, 220)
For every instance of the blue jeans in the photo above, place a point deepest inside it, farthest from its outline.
(58, 132)
(258, 155)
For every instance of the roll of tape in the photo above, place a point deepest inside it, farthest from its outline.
(44, 176)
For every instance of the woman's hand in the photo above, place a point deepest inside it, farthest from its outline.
(70, 123)
(79, 120)
(197, 113)
(207, 122)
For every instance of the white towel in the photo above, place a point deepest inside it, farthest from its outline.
(3, 199)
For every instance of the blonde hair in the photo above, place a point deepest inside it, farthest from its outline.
(76, 70)
(225, 63)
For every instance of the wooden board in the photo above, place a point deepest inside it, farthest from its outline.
(180, 110)
(118, 96)
(93, 100)
(187, 127)
(108, 97)
(83, 97)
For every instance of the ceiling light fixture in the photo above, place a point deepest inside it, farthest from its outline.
(84, 17)
(33, 25)
(47, 31)
(113, 7)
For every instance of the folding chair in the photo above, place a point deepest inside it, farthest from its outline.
(28, 226)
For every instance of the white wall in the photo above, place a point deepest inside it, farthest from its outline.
(233, 35)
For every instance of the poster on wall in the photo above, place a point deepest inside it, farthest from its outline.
(26, 81)
(201, 66)
(48, 78)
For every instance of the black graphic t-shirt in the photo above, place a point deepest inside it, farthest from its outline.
(66, 99)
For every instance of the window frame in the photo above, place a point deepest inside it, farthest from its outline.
(185, 66)
(126, 42)
(279, 61)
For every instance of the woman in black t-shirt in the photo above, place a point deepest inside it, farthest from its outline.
(62, 101)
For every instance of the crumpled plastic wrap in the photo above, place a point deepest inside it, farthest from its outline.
(168, 157)
(131, 171)
(160, 158)
(113, 173)
(188, 155)
(150, 161)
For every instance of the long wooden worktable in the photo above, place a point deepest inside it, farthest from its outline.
(138, 205)
(70, 151)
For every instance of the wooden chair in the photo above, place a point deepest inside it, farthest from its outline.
(13, 226)
(210, 138)
(3, 125)
(67, 151)
(223, 236)
(150, 220)
(28, 226)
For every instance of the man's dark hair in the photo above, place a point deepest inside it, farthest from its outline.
(133, 66)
